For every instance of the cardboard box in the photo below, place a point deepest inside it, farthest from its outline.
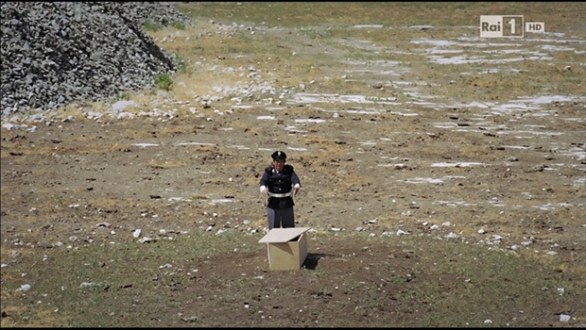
(286, 247)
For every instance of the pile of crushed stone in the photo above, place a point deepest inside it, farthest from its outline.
(56, 53)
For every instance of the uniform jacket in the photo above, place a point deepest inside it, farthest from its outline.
(280, 183)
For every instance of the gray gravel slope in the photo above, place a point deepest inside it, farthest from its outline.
(55, 53)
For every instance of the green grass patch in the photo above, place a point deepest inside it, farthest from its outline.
(443, 282)
(163, 81)
(151, 26)
(103, 284)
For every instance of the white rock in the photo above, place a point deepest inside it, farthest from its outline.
(9, 126)
(146, 240)
(401, 232)
(451, 235)
(123, 105)
(24, 287)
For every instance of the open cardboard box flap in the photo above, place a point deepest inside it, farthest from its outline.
(281, 235)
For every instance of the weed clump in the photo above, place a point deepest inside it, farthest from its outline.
(163, 81)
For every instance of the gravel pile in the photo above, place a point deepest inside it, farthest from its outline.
(55, 53)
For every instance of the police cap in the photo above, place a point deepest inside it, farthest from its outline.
(279, 155)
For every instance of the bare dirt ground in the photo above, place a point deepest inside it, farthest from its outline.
(396, 155)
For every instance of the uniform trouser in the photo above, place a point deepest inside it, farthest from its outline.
(280, 217)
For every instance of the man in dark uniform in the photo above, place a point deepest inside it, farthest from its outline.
(279, 184)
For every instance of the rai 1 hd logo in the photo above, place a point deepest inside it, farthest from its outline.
(507, 26)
